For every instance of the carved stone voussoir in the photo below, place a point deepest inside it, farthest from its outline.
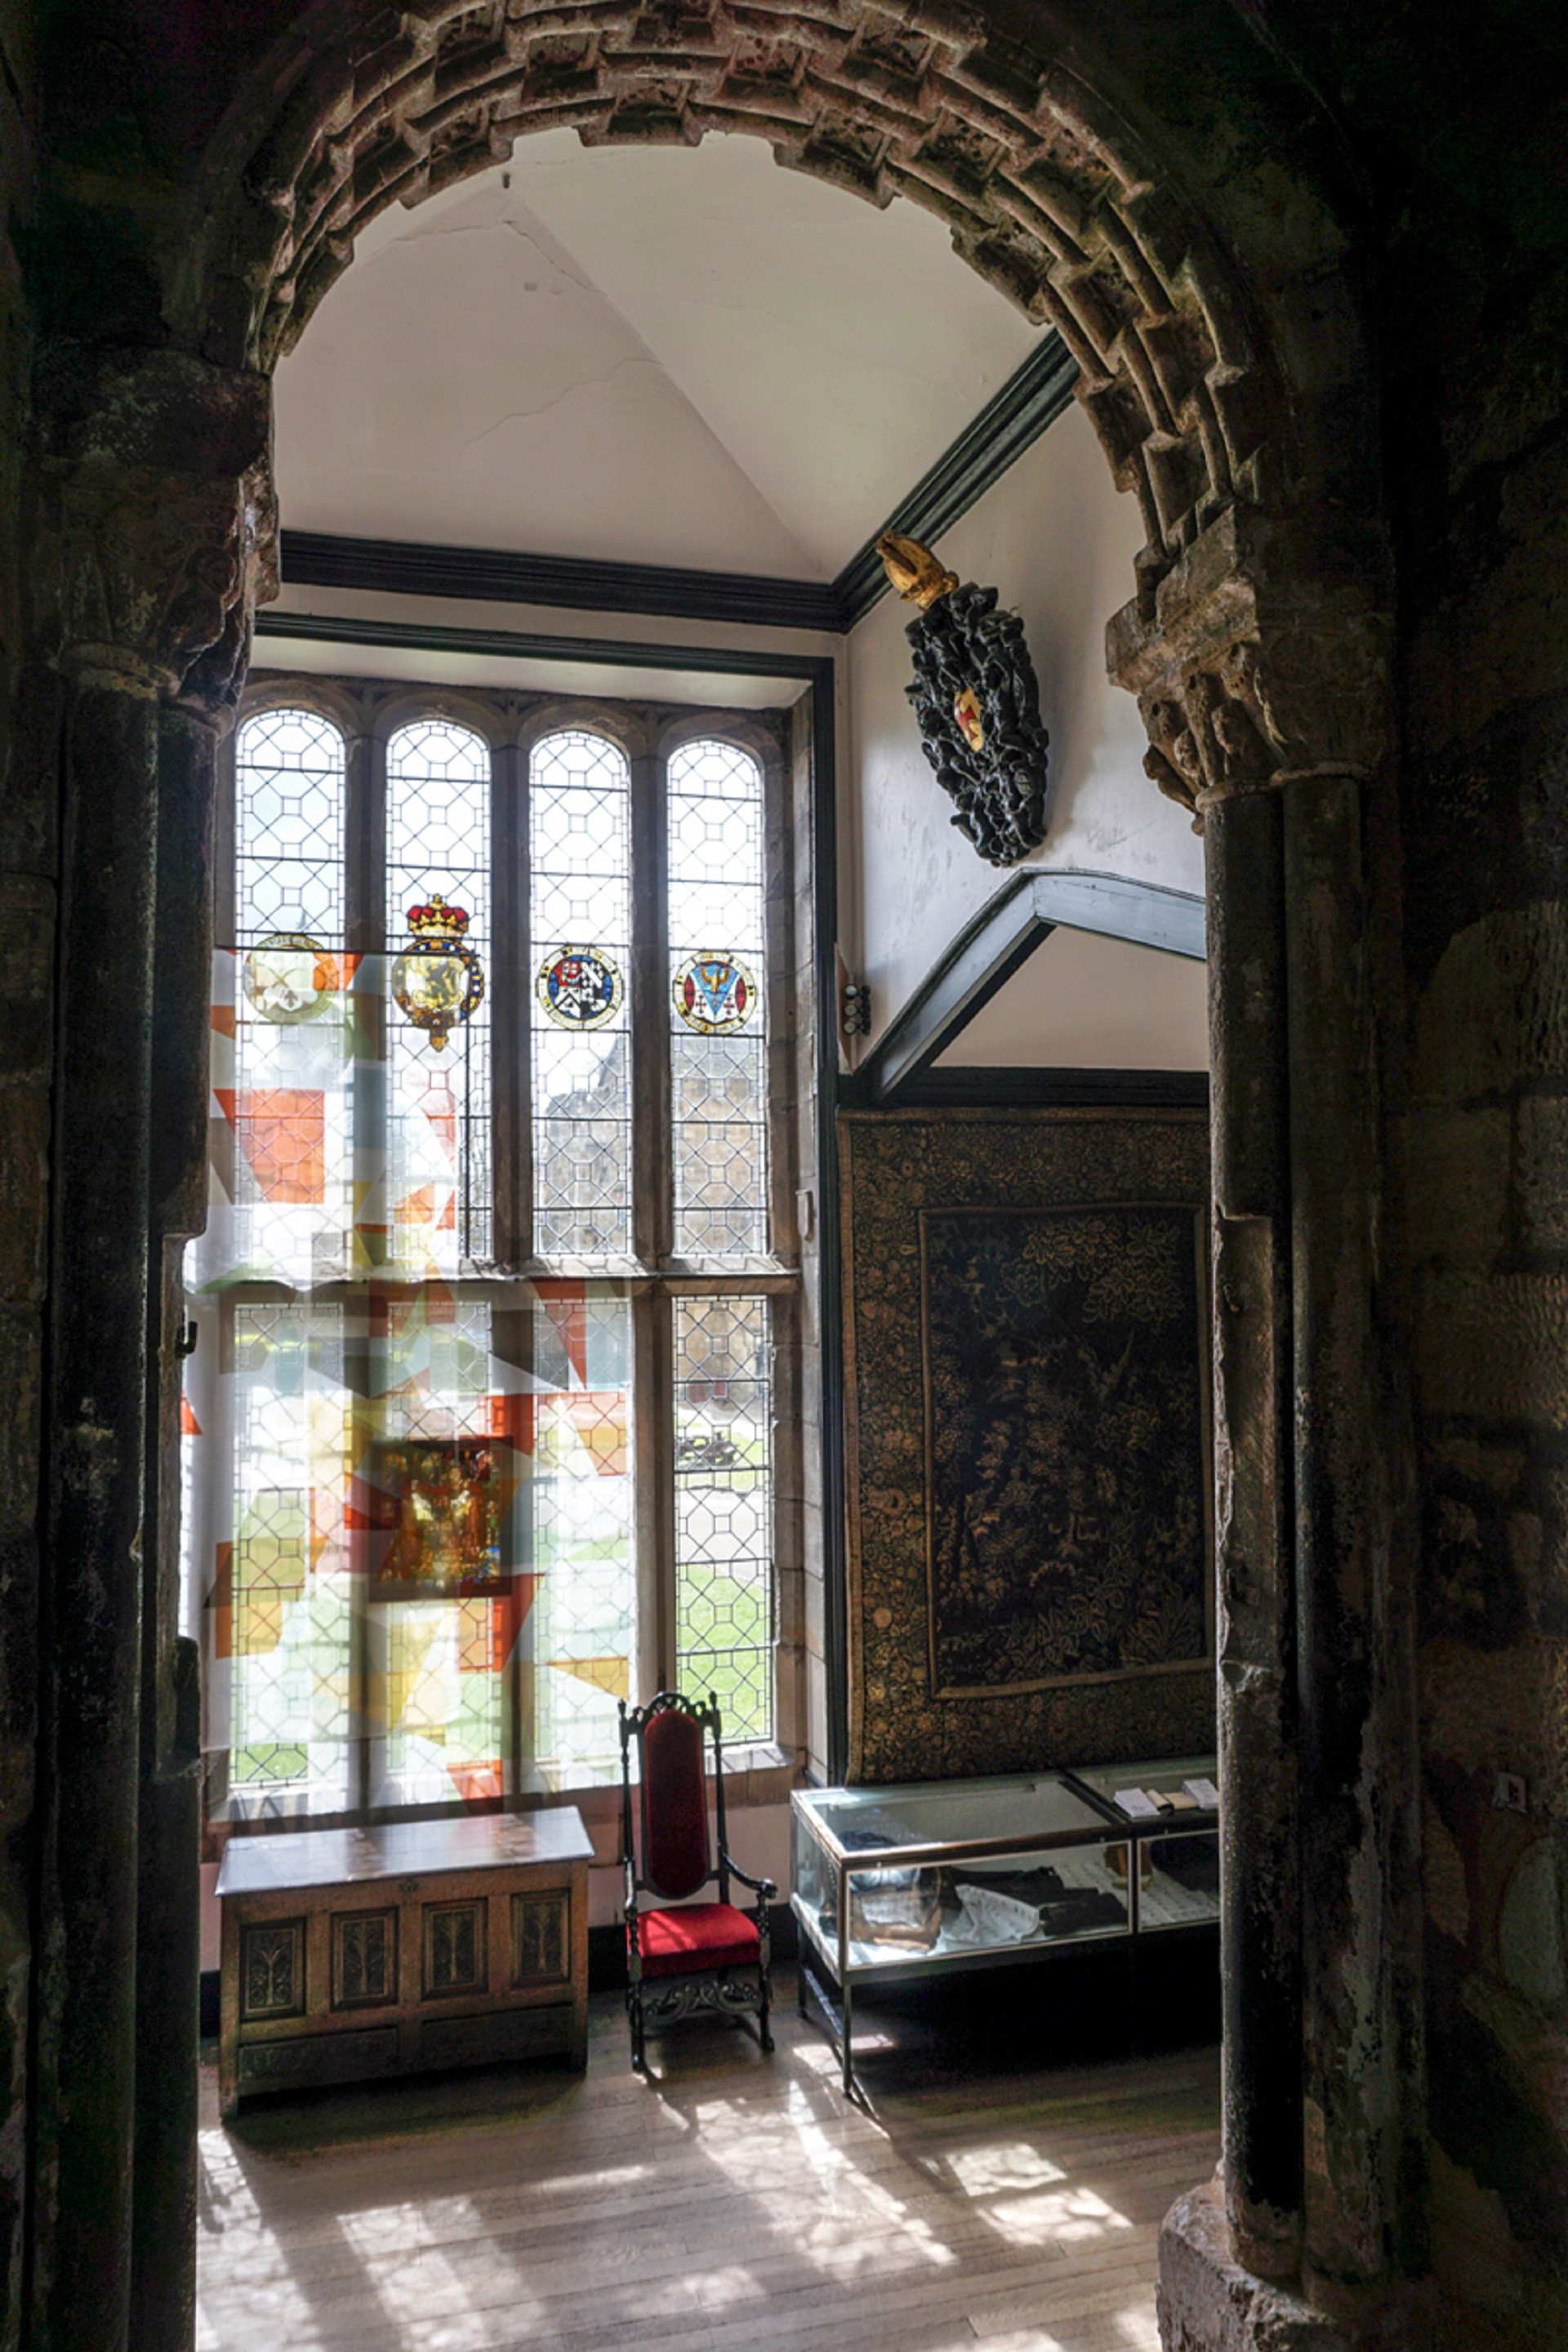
(162, 524)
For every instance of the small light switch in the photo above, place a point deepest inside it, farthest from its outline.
(1509, 1793)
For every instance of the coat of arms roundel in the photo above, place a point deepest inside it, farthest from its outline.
(714, 994)
(977, 701)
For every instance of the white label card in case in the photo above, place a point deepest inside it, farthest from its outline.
(1136, 1805)
(1204, 1793)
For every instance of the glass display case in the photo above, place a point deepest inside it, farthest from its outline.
(895, 1883)
(1177, 1842)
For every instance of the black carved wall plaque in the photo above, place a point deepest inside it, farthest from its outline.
(978, 704)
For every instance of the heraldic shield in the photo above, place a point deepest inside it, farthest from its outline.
(977, 701)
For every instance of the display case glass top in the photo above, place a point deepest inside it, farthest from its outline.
(937, 1813)
(929, 1877)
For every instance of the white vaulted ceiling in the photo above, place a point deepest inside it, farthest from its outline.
(657, 355)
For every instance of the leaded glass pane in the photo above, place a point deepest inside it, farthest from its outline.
(717, 1001)
(283, 1068)
(440, 1480)
(288, 827)
(725, 1510)
(282, 1595)
(585, 1607)
(579, 928)
(437, 1204)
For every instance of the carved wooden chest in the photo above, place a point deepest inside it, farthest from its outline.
(352, 1953)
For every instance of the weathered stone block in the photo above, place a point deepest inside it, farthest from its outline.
(1456, 1165)
(1207, 2303)
(1493, 1347)
(21, 1386)
(26, 975)
(24, 1192)
(1495, 1015)
(1541, 1171)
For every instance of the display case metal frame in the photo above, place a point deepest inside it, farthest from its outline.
(1110, 1828)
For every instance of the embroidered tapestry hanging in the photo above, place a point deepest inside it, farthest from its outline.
(977, 701)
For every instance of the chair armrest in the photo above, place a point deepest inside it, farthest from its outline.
(763, 1886)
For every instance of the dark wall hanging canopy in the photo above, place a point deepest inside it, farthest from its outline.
(977, 701)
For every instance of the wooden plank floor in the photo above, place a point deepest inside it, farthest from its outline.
(733, 2204)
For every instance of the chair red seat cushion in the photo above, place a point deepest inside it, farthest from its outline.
(698, 1935)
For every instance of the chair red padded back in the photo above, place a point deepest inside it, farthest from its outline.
(674, 1806)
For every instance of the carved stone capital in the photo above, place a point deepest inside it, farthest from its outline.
(162, 521)
(1265, 659)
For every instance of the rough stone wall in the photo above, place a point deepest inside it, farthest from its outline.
(1486, 1156)
(26, 924)
(1459, 133)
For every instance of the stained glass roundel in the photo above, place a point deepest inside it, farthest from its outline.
(290, 978)
(580, 988)
(714, 994)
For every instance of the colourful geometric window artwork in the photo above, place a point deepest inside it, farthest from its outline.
(718, 1047)
(585, 1629)
(438, 1098)
(580, 926)
(410, 1474)
(724, 1607)
(282, 1069)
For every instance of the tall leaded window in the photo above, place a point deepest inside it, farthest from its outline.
(482, 1421)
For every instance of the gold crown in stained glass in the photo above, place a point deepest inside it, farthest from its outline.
(439, 982)
(437, 920)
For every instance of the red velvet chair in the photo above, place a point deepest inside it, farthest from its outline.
(702, 1955)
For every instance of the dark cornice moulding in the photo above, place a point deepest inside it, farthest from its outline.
(963, 1087)
(313, 559)
(1012, 421)
(995, 944)
(536, 644)
(1033, 397)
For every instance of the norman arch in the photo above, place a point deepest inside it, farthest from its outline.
(1150, 230)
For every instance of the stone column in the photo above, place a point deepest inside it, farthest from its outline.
(169, 1824)
(1262, 676)
(157, 498)
(96, 1410)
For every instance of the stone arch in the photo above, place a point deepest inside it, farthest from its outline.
(1186, 244)
(927, 101)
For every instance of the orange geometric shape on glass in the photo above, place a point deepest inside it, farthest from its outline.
(599, 1418)
(611, 1675)
(283, 1133)
(515, 1417)
(566, 1304)
(189, 1425)
(416, 1208)
(220, 1601)
(476, 1782)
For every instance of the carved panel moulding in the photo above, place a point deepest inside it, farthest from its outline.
(924, 102)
